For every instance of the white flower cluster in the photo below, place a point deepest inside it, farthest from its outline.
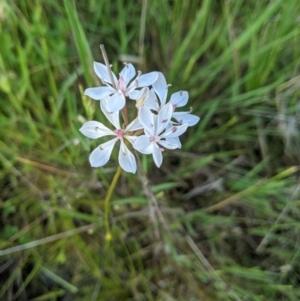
(159, 121)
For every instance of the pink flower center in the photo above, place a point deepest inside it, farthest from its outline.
(174, 107)
(120, 133)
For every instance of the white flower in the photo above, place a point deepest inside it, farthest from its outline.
(160, 87)
(101, 154)
(178, 99)
(123, 86)
(155, 133)
(145, 97)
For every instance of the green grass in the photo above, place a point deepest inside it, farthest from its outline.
(229, 197)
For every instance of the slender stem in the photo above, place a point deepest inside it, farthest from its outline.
(155, 213)
(107, 65)
(108, 236)
(125, 115)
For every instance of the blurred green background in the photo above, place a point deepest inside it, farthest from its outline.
(229, 197)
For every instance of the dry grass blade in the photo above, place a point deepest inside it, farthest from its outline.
(46, 240)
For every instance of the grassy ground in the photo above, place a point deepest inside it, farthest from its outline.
(229, 197)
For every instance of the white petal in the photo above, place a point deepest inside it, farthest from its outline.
(134, 126)
(143, 145)
(174, 141)
(131, 139)
(95, 129)
(186, 117)
(161, 88)
(179, 99)
(145, 97)
(101, 154)
(113, 117)
(164, 117)
(147, 79)
(157, 156)
(146, 119)
(151, 101)
(175, 131)
(168, 144)
(155, 118)
(102, 73)
(126, 159)
(116, 102)
(98, 93)
(128, 72)
(136, 94)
